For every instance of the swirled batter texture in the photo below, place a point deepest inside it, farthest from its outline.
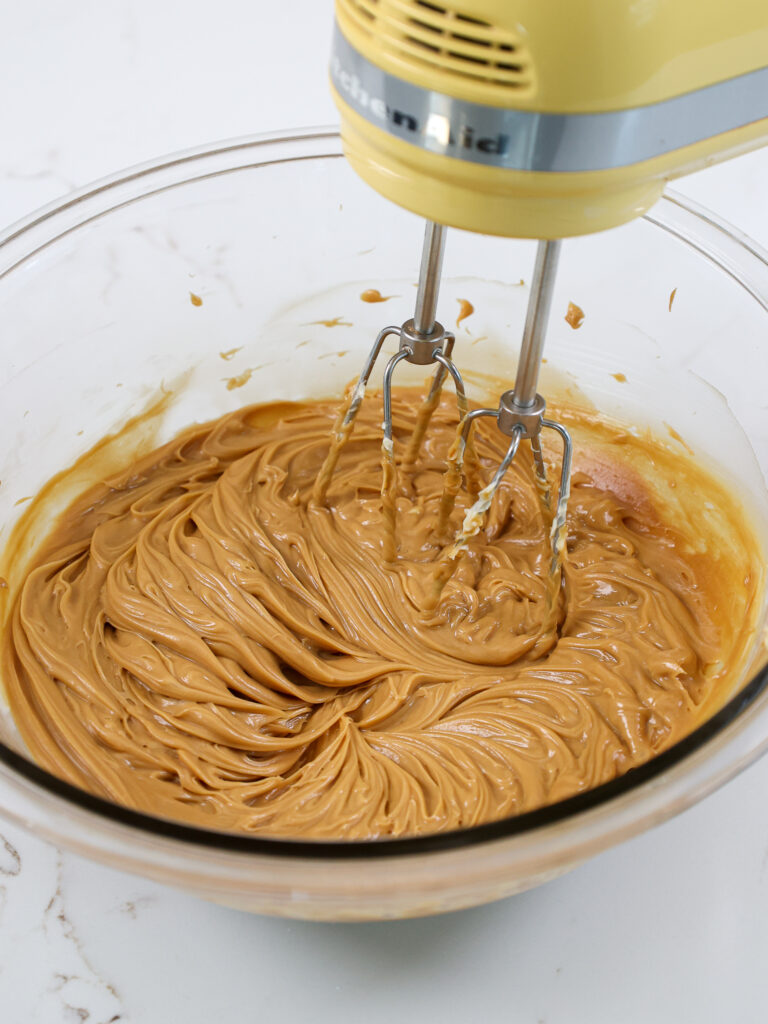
(199, 640)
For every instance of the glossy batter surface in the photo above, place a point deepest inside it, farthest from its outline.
(197, 638)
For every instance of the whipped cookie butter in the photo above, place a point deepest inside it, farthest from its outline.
(198, 638)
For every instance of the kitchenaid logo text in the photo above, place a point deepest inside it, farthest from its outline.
(434, 131)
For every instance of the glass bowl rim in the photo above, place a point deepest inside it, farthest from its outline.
(562, 811)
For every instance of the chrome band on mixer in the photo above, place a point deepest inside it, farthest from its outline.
(527, 141)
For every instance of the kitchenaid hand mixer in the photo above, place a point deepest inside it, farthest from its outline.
(532, 119)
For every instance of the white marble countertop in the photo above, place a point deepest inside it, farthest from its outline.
(671, 927)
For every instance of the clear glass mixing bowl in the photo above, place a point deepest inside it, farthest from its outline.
(274, 234)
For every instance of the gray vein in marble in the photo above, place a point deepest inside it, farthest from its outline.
(85, 996)
(10, 861)
(50, 173)
(132, 907)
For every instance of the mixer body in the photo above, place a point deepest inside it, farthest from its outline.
(532, 119)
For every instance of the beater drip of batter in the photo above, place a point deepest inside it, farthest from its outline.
(199, 639)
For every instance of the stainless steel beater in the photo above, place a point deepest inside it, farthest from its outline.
(520, 414)
(423, 341)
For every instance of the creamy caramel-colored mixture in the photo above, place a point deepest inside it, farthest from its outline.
(199, 638)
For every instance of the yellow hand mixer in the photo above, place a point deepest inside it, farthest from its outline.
(531, 119)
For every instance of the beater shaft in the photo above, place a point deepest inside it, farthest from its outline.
(536, 320)
(429, 278)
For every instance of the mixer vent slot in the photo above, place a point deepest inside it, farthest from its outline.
(438, 37)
